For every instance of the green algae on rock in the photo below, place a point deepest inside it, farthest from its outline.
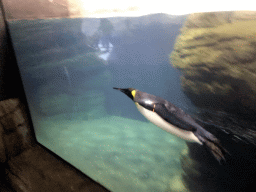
(216, 53)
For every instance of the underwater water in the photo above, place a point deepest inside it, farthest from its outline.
(69, 68)
(68, 77)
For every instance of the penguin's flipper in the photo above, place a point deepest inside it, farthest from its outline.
(172, 118)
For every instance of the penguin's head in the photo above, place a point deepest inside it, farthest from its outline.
(130, 92)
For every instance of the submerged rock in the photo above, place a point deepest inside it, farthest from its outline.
(216, 53)
(203, 173)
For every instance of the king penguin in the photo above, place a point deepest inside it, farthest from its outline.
(174, 120)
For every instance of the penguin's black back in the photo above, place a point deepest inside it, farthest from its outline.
(141, 97)
(168, 111)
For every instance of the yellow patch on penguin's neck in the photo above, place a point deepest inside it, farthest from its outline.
(133, 93)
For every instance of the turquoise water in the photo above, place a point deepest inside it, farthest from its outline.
(120, 153)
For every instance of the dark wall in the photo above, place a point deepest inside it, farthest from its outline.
(10, 82)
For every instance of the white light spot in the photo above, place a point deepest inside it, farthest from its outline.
(148, 102)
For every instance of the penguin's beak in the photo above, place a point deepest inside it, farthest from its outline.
(125, 91)
(122, 90)
(119, 89)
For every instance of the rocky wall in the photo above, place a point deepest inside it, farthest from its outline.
(216, 54)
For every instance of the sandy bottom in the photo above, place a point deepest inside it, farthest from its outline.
(122, 154)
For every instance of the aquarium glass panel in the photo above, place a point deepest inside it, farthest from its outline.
(69, 67)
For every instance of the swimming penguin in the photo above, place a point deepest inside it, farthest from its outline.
(174, 120)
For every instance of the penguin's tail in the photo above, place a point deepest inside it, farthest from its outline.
(214, 146)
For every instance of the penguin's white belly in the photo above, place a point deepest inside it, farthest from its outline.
(160, 122)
